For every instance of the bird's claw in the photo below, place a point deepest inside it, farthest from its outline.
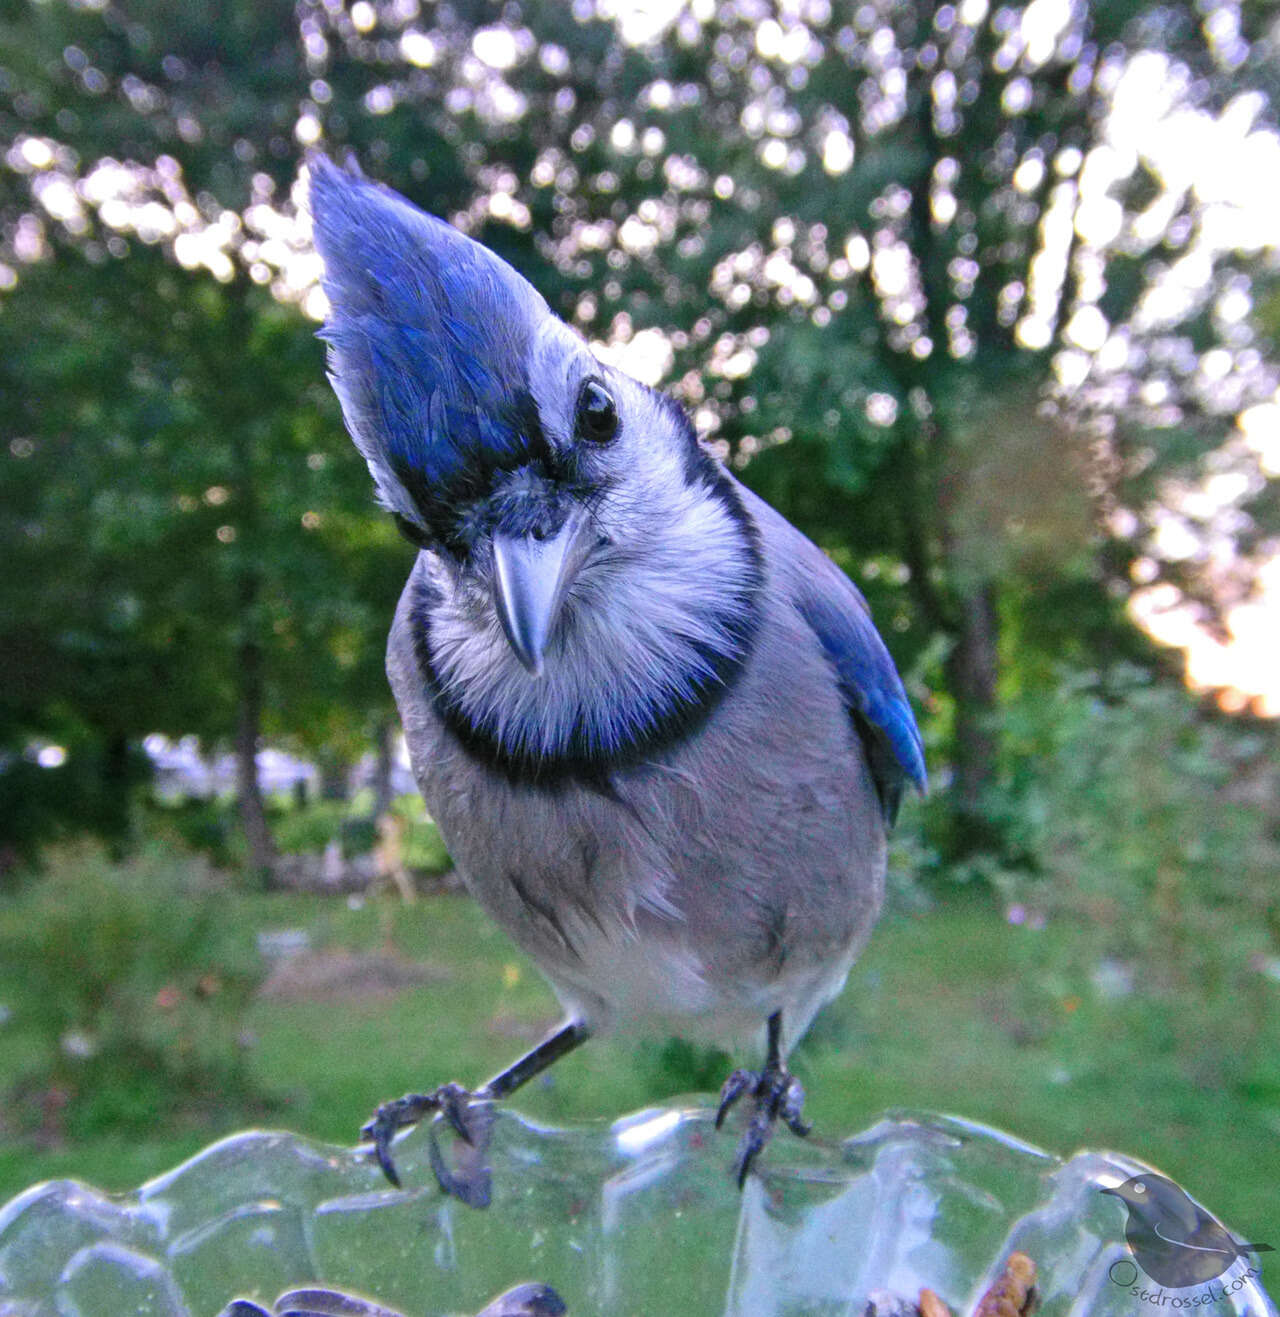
(734, 1087)
(450, 1100)
(778, 1095)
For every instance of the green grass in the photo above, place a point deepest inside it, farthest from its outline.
(953, 1010)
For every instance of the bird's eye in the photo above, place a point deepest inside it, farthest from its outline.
(1139, 1188)
(597, 414)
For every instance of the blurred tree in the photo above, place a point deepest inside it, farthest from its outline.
(89, 621)
(174, 486)
(162, 524)
(957, 286)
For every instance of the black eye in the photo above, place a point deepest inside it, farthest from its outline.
(597, 416)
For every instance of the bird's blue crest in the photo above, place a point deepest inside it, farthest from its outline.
(429, 334)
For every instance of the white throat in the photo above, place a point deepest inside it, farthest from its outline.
(651, 629)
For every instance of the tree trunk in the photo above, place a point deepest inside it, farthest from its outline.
(237, 401)
(117, 782)
(972, 668)
(382, 793)
(963, 609)
(334, 776)
(253, 816)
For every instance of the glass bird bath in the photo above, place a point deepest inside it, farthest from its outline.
(635, 1217)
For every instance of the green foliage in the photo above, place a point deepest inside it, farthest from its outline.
(1131, 814)
(163, 518)
(311, 828)
(131, 993)
(91, 791)
(358, 835)
(1127, 795)
(952, 1009)
(424, 849)
(315, 826)
(209, 828)
(678, 1066)
(204, 827)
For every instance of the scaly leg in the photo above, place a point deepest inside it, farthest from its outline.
(777, 1095)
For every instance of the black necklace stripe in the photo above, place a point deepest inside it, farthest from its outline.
(581, 760)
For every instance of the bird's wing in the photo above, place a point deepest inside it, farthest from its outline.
(839, 617)
(1213, 1247)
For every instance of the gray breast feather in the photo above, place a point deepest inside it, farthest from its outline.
(735, 874)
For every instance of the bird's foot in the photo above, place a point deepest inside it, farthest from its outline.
(470, 1117)
(777, 1095)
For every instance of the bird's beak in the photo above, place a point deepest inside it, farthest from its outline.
(531, 579)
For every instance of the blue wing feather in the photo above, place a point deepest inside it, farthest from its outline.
(871, 687)
(869, 683)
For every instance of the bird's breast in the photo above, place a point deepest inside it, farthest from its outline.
(735, 873)
(657, 930)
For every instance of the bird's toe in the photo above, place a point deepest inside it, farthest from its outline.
(391, 1117)
(777, 1095)
(738, 1084)
(455, 1104)
(749, 1149)
(790, 1105)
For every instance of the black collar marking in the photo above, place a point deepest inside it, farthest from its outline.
(580, 761)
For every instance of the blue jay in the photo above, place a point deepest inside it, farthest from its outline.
(655, 725)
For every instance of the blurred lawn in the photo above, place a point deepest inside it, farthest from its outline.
(951, 1010)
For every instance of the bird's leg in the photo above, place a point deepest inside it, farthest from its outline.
(453, 1102)
(778, 1096)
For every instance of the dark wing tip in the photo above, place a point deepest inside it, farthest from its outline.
(872, 687)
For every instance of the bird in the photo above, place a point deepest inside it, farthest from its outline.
(656, 726)
(1174, 1240)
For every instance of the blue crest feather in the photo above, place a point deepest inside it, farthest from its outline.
(428, 334)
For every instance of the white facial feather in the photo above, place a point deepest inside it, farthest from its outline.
(625, 648)
(646, 608)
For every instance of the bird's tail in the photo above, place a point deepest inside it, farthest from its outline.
(1256, 1248)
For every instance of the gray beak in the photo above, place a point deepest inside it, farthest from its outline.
(531, 579)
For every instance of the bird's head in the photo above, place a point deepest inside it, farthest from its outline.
(594, 571)
(1153, 1199)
